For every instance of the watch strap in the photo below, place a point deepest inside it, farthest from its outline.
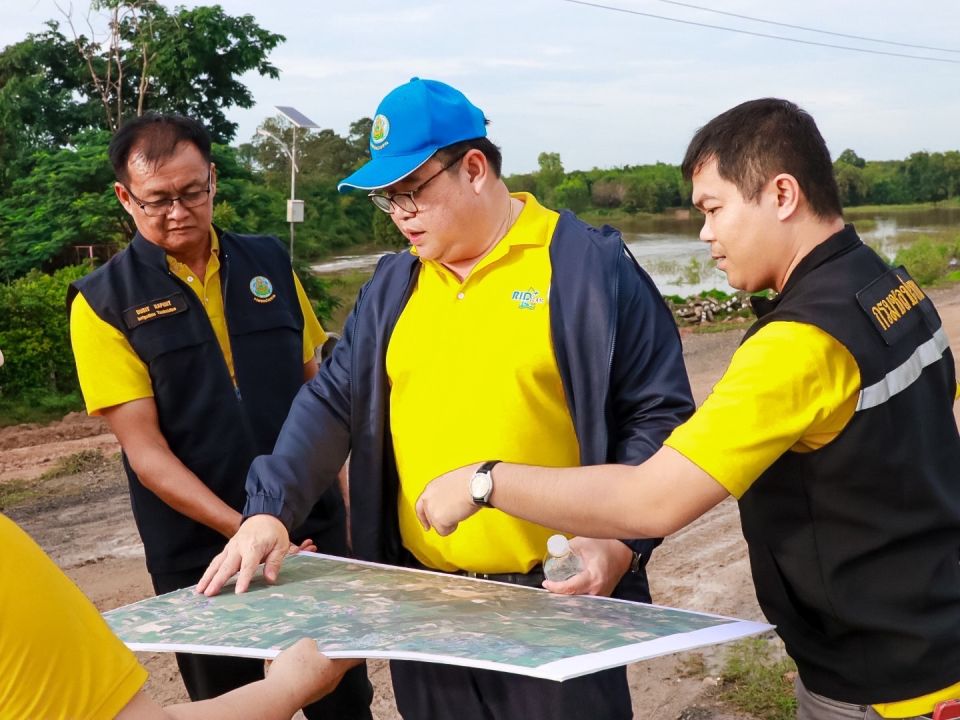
(485, 470)
(488, 466)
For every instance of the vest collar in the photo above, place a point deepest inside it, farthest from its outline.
(837, 244)
(155, 256)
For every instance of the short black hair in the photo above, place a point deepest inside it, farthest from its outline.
(490, 151)
(759, 139)
(157, 136)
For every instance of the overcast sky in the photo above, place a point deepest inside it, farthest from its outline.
(606, 88)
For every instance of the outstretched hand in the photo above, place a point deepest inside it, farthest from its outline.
(302, 667)
(603, 562)
(261, 538)
(446, 500)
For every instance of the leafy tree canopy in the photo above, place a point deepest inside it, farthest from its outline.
(185, 60)
(65, 200)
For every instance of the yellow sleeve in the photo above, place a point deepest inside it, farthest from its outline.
(58, 658)
(789, 387)
(313, 334)
(110, 371)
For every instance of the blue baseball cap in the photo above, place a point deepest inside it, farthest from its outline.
(412, 123)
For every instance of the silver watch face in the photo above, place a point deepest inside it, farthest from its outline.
(481, 485)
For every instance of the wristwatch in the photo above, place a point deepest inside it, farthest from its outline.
(481, 484)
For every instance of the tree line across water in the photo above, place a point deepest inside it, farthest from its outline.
(63, 93)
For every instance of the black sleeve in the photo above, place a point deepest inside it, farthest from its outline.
(650, 390)
(313, 443)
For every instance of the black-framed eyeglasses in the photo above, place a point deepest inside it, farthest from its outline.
(158, 208)
(404, 200)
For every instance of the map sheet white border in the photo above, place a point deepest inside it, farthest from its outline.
(571, 667)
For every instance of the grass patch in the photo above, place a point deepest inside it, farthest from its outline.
(38, 408)
(757, 680)
(693, 665)
(17, 492)
(928, 260)
(83, 461)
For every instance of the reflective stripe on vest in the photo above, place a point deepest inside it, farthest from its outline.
(907, 373)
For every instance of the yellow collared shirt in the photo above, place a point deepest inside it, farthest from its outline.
(473, 377)
(110, 371)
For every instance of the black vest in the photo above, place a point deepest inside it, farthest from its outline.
(855, 547)
(214, 428)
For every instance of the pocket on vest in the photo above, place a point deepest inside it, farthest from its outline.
(254, 322)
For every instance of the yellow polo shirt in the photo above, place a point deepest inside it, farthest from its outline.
(802, 387)
(473, 377)
(110, 371)
(58, 658)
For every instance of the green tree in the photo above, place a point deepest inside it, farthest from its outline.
(549, 176)
(851, 183)
(573, 194)
(849, 157)
(188, 60)
(925, 174)
(66, 200)
(39, 87)
(359, 138)
(34, 336)
(385, 233)
(525, 182)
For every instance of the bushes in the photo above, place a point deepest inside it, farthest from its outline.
(926, 260)
(34, 336)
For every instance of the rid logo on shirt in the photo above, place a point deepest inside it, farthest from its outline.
(526, 299)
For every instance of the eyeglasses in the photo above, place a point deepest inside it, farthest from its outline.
(158, 208)
(404, 200)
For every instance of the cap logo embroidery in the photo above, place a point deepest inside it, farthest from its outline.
(379, 132)
(262, 289)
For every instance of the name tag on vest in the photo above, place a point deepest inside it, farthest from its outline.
(155, 309)
(894, 303)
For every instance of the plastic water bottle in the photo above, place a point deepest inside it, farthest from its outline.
(561, 562)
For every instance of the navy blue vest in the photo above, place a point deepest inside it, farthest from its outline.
(214, 428)
(855, 547)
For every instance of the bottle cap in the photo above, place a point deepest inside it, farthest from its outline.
(558, 545)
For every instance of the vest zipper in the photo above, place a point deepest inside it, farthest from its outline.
(224, 281)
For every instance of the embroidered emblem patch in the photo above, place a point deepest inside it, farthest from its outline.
(379, 132)
(894, 303)
(262, 289)
(527, 299)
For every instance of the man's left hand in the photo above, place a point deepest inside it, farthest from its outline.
(446, 500)
(604, 563)
(306, 546)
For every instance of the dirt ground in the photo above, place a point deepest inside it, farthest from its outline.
(83, 521)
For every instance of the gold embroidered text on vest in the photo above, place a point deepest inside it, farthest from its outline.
(897, 303)
(161, 307)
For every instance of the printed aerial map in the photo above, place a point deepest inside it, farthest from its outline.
(356, 609)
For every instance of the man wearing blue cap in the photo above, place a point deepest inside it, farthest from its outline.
(508, 330)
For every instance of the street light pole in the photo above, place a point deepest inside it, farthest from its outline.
(294, 207)
(289, 152)
(293, 188)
